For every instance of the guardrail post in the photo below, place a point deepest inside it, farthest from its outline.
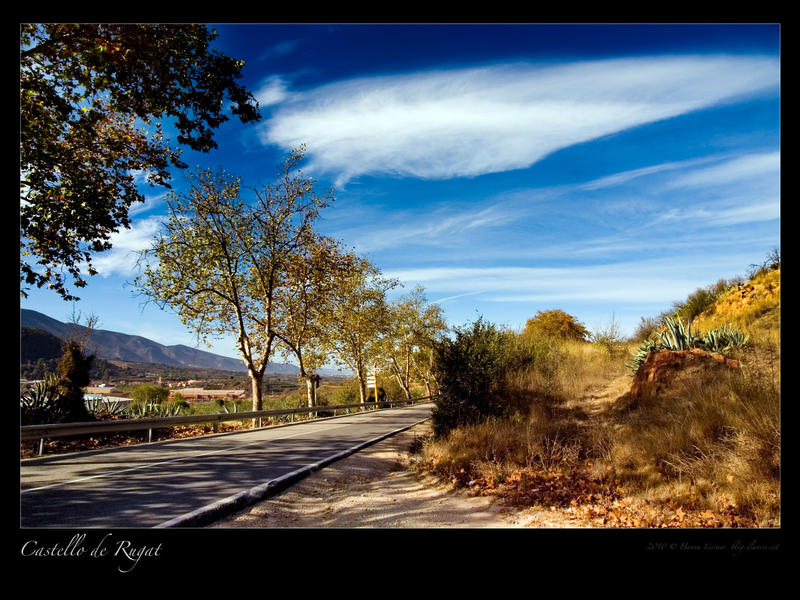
(41, 446)
(150, 435)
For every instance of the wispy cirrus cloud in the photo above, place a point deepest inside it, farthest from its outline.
(467, 122)
(750, 166)
(442, 225)
(283, 48)
(619, 281)
(722, 215)
(150, 202)
(626, 176)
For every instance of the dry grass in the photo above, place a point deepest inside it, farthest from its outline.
(545, 432)
(711, 448)
(568, 370)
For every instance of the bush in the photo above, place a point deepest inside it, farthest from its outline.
(347, 393)
(73, 375)
(556, 324)
(471, 370)
(702, 298)
(772, 261)
(147, 393)
(647, 329)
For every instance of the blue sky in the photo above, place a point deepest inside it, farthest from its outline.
(607, 171)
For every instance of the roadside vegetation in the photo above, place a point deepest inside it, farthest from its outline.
(544, 417)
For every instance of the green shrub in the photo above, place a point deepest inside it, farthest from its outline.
(702, 298)
(73, 375)
(149, 393)
(471, 371)
(347, 393)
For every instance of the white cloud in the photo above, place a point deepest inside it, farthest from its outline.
(443, 226)
(467, 122)
(440, 300)
(722, 214)
(150, 202)
(625, 176)
(281, 49)
(273, 91)
(126, 245)
(751, 166)
(654, 280)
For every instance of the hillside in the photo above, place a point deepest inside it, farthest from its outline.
(112, 345)
(753, 306)
(36, 343)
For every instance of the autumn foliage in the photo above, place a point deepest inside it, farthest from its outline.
(556, 324)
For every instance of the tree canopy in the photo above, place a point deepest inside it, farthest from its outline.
(407, 347)
(89, 95)
(556, 323)
(223, 260)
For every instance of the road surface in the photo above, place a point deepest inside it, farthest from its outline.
(159, 484)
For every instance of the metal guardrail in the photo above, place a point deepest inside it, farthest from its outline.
(56, 430)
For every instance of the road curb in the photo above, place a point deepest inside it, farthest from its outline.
(227, 506)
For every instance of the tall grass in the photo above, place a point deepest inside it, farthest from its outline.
(564, 370)
(713, 444)
(718, 439)
(541, 396)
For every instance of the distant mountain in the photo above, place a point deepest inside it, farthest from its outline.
(36, 343)
(113, 345)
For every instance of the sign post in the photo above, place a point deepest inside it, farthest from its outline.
(372, 381)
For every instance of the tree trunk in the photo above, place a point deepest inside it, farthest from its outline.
(361, 388)
(404, 385)
(256, 383)
(312, 390)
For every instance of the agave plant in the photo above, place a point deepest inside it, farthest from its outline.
(724, 339)
(104, 406)
(229, 410)
(150, 409)
(645, 348)
(679, 336)
(41, 404)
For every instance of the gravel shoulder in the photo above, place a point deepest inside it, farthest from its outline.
(377, 488)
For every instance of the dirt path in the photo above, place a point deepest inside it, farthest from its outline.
(376, 488)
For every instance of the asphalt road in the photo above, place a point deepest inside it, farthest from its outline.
(159, 484)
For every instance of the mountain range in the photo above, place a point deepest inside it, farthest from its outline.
(112, 345)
